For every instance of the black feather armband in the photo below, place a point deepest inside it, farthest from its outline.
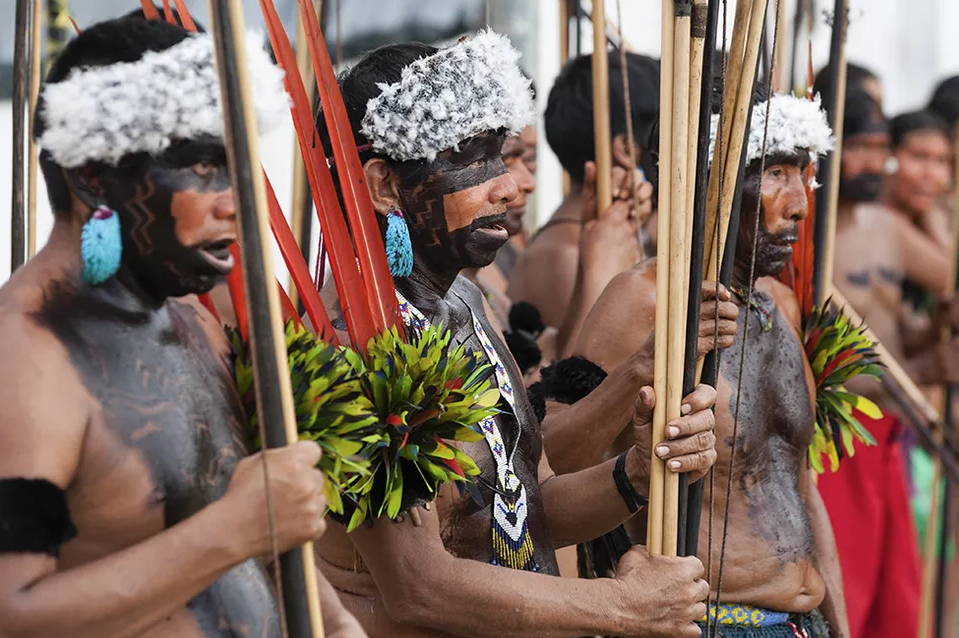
(566, 381)
(34, 517)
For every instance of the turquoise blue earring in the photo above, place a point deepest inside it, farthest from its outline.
(101, 246)
(399, 250)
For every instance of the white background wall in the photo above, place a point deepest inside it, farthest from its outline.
(910, 43)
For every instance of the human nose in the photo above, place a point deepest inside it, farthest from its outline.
(504, 189)
(524, 179)
(224, 207)
(797, 205)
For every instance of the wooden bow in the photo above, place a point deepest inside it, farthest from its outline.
(831, 164)
(301, 616)
(20, 48)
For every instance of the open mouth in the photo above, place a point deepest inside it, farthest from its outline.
(217, 254)
(492, 224)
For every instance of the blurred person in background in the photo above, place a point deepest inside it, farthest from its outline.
(572, 258)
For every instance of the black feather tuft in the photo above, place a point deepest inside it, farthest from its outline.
(568, 381)
(525, 316)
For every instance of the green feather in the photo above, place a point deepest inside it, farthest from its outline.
(830, 334)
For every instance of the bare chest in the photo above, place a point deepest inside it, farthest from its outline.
(766, 394)
(166, 431)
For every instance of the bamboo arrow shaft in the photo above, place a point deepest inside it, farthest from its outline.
(272, 381)
(703, 33)
(657, 479)
(601, 125)
(36, 22)
(934, 559)
(740, 133)
(679, 225)
(21, 37)
(827, 209)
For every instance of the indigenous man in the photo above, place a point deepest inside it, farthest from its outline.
(435, 121)
(126, 506)
(868, 499)
(568, 263)
(780, 563)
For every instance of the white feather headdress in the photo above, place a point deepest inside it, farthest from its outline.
(104, 113)
(441, 100)
(794, 124)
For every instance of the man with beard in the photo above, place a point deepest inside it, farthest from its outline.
(781, 575)
(126, 506)
(868, 498)
(529, 340)
(485, 565)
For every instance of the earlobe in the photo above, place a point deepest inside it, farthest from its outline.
(383, 185)
(621, 153)
(85, 184)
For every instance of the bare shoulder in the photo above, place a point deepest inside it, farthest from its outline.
(44, 406)
(622, 318)
(785, 300)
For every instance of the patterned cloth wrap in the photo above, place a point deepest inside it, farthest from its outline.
(746, 621)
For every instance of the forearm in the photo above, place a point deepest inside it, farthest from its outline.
(833, 606)
(587, 504)
(125, 593)
(580, 436)
(337, 621)
(456, 597)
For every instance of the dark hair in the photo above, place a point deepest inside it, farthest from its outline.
(120, 40)
(359, 85)
(945, 101)
(138, 13)
(862, 113)
(569, 110)
(906, 123)
(856, 76)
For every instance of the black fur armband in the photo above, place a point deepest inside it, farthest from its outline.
(34, 518)
(566, 381)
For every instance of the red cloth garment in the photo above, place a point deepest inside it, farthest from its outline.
(868, 504)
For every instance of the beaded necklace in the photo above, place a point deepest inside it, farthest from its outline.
(512, 544)
(765, 317)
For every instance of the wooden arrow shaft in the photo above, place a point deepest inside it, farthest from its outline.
(267, 343)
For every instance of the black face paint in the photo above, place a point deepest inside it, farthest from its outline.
(773, 250)
(435, 247)
(866, 187)
(141, 191)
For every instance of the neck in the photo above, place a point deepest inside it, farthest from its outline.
(470, 273)
(122, 290)
(426, 288)
(741, 277)
(571, 207)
